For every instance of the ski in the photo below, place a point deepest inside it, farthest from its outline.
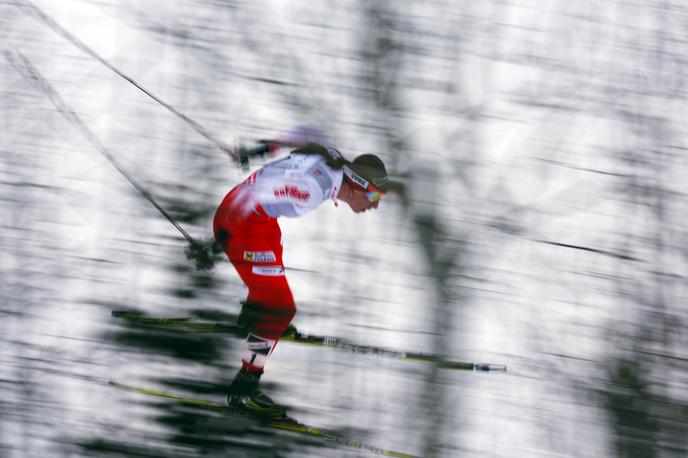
(286, 424)
(292, 335)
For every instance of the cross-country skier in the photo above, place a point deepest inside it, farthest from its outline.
(246, 228)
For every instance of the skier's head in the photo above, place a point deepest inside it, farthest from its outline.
(365, 182)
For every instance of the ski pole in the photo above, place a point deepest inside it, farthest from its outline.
(32, 75)
(33, 10)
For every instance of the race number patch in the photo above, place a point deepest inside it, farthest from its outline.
(260, 256)
(268, 271)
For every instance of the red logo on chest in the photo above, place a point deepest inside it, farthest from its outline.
(293, 192)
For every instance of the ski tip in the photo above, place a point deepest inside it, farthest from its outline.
(490, 367)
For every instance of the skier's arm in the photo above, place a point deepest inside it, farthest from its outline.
(293, 139)
(302, 135)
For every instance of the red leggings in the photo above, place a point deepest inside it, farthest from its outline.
(252, 241)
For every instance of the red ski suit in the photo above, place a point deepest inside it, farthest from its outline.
(245, 225)
(253, 244)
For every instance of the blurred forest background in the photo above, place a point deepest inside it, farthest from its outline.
(541, 224)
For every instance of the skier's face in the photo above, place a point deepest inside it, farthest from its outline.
(359, 201)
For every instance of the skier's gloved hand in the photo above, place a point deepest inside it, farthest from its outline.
(248, 317)
(245, 154)
(215, 248)
(200, 255)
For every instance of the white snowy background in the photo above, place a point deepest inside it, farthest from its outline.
(542, 149)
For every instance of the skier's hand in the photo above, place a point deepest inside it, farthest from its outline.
(245, 154)
(200, 255)
(248, 317)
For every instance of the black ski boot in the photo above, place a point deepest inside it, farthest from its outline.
(245, 395)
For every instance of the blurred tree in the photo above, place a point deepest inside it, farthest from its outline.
(390, 44)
